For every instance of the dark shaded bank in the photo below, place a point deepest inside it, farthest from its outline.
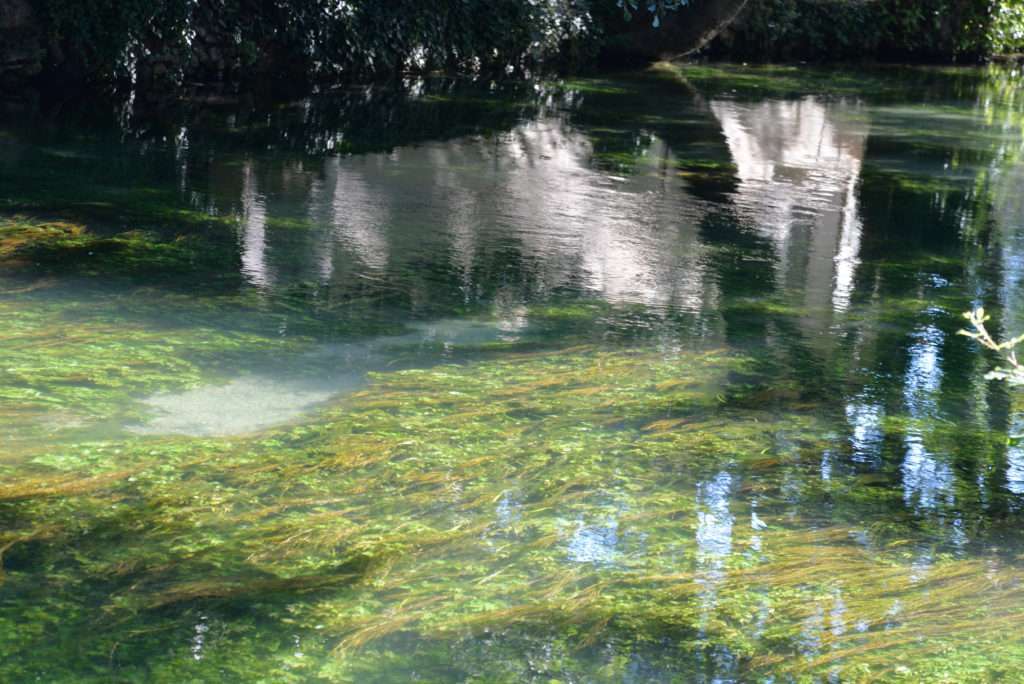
(163, 45)
(153, 45)
(647, 37)
(21, 47)
(934, 31)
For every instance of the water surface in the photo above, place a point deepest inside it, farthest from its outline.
(654, 377)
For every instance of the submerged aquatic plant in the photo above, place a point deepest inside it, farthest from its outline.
(599, 504)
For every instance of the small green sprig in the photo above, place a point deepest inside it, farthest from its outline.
(1013, 371)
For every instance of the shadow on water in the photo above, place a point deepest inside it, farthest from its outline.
(646, 378)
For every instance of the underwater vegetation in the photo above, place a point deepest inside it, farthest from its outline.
(609, 500)
(684, 401)
(72, 354)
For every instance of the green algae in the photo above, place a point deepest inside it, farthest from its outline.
(71, 364)
(66, 249)
(416, 510)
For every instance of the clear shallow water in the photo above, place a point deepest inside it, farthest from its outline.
(281, 391)
(647, 378)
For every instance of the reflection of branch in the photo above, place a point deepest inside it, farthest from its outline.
(1014, 372)
(677, 76)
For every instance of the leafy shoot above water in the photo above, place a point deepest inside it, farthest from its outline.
(1013, 371)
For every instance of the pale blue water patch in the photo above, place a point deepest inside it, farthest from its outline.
(254, 401)
(594, 543)
(1015, 470)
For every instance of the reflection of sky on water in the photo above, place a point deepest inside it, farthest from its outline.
(714, 520)
(865, 420)
(508, 511)
(1009, 209)
(357, 218)
(596, 534)
(1015, 469)
(594, 543)
(924, 371)
(254, 232)
(837, 615)
(927, 482)
(714, 544)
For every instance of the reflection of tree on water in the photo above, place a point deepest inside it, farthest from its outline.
(254, 232)
(798, 164)
(527, 194)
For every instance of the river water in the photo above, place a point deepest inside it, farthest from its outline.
(650, 377)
